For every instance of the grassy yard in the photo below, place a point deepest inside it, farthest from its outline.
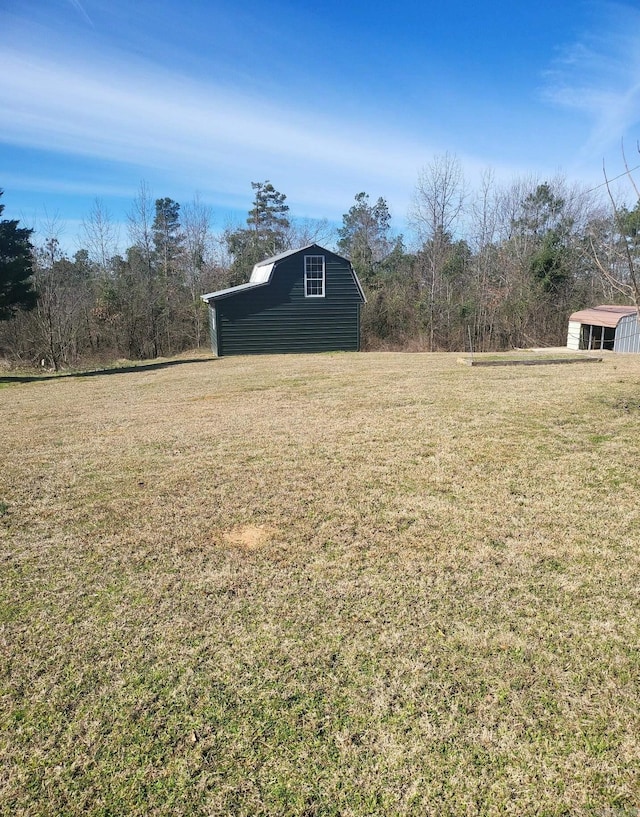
(343, 584)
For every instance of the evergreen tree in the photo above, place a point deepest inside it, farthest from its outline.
(168, 289)
(266, 233)
(542, 211)
(546, 226)
(268, 217)
(167, 238)
(365, 236)
(16, 287)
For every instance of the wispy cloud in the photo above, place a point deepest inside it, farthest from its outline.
(77, 5)
(139, 114)
(124, 110)
(91, 113)
(37, 182)
(599, 77)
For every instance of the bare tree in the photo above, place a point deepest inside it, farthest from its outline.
(484, 232)
(59, 323)
(100, 236)
(198, 260)
(140, 297)
(438, 205)
(140, 221)
(617, 253)
(439, 197)
(306, 231)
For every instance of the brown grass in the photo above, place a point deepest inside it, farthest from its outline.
(321, 585)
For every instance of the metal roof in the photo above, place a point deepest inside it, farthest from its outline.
(603, 315)
(223, 293)
(285, 254)
(261, 274)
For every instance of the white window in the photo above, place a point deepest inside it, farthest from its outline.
(314, 276)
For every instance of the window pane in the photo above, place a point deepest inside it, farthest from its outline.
(314, 275)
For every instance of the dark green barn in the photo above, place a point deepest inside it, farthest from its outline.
(305, 300)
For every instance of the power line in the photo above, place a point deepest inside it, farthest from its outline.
(615, 178)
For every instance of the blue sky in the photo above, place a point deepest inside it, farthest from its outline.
(325, 100)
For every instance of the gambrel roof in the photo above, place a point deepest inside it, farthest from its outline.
(263, 270)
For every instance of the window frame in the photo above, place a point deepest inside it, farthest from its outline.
(308, 280)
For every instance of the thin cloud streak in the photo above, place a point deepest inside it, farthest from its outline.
(37, 183)
(600, 78)
(210, 137)
(77, 5)
(92, 116)
(152, 117)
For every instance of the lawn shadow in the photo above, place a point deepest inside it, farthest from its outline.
(144, 367)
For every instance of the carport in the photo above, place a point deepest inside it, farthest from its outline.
(611, 327)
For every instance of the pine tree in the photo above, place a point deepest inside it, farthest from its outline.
(16, 286)
(167, 237)
(266, 232)
(365, 236)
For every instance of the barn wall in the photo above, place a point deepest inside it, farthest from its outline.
(277, 318)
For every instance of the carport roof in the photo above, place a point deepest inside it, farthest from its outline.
(604, 315)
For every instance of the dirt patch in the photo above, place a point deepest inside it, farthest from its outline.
(249, 537)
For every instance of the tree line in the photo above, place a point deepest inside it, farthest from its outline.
(499, 267)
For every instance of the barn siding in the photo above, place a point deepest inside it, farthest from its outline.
(277, 318)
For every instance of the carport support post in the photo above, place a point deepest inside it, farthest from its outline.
(590, 336)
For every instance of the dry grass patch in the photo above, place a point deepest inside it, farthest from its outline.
(249, 537)
(321, 585)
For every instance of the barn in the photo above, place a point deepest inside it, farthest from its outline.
(605, 327)
(305, 300)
